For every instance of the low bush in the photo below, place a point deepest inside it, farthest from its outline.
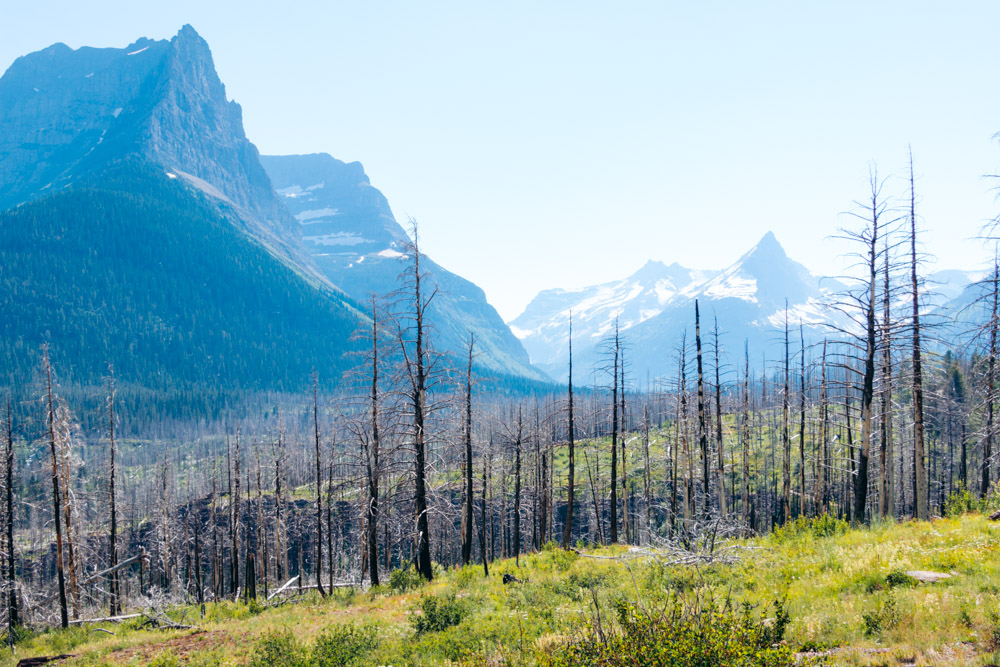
(344, 645)
(405, 579)
(821, 526)
(437, 613)
(683, 633)
(278, 648)
(882, 616)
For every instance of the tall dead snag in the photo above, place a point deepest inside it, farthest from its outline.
(64, 422)
(216, 552)
(873, 214)
(319, 491)
(822, 470)
(482, 524)
(991, 363)
(688, 471)
(56, 505)
(517, 489)
(720, 471)
(467, 512)
(887, 489)
(13, 620)
(702, 428)
(623, 472)
(645, 472)
(568, 526)
(417, 360)
(745, 431)
(919, 465)
(786, 445)
(614, 438)
(234, 517)
(371, 449)
(280, 533)
(197, 560)
(115, 594)
(802, 422)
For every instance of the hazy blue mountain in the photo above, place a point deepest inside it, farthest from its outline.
(68, 113)
(544, 325)
(141, 229)
(656, 306)
(348, 227)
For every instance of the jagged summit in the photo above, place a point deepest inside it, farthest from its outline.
(66, 113)
(655, 305)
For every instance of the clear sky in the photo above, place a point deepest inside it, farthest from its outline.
(559, 144)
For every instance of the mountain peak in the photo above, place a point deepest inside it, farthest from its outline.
(651, 270)
(769, 245)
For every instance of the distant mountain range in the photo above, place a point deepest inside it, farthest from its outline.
(654, 309)
(140, 226)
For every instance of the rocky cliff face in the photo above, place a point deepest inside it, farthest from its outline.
(66, 113)
(357, 244)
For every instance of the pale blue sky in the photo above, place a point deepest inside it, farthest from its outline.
(562, 144)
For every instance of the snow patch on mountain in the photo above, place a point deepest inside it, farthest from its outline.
(313, 214)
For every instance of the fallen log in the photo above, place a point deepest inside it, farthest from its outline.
(286, 585)
(106, 619)
(42, 660)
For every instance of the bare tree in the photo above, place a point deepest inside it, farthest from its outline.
(568, 527)
(319, 491)
(919, 465)
(56, 506)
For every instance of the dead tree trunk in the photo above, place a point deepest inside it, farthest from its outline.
(786, 447)
(114, 607)
(868, 383)
(568, 527)
(614, 442)
(56, 506)
(919, 465)
(984, 487)
(702, 428)
(319, 492)
(802, 422)
(13, 619)
(721, 468)
(467, 512)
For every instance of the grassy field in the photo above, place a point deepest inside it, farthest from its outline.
(847, 599)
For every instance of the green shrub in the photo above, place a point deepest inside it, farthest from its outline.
(165, 659)
(278, 648)
(344, 645)
(898, 578)
(437, 614)
(960, 502)
(882, 616)
(699, 633)
(821, 526)
(403, 580)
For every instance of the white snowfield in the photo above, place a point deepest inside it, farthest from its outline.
(660, 298)
(314, 214)
(336, 238)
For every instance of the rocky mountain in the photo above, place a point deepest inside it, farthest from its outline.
(147, 129)
(67, 113)
(348, 227)
(655, 307)
(544, 324)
